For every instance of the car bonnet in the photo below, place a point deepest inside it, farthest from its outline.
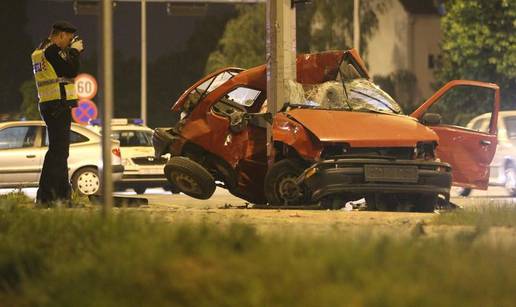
(360, 129)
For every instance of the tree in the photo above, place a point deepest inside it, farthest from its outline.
(332, 23)
(243, 41)
(171, 75)
(29, 107)
(15, 66)
(479, 43)
(322, 25)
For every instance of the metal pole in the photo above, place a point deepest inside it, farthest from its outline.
(144, 63)
(107, 114)
(356, 25)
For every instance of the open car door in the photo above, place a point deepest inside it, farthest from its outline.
(468, 151)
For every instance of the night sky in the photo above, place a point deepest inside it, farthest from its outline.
(164, 33)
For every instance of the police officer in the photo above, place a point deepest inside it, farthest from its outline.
(55, 65)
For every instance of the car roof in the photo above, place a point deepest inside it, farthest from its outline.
(130, 127)
(501, 114)
(74, 126)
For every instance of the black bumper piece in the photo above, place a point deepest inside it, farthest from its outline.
(161, 140)
(363, 176)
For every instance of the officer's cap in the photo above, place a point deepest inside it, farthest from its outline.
(64, 26)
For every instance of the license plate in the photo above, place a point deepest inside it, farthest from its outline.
(149, 171)
(391, 173)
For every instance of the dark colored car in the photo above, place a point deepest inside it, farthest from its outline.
(338, 138)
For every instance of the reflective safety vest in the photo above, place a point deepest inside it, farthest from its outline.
(47, 80)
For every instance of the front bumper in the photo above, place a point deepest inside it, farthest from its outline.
(353, 175)
(117, 172)
(143, 175)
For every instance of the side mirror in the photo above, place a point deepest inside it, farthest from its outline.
(431, 119)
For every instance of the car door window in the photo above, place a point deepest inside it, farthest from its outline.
(481, 125)
(243, 96)
(131, 138)
(510, 125)
(460, 104)
(74, 138)
(198, 93)
(18, 137)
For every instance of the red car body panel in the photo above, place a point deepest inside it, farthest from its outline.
(292, 133)
(469, 152)
(379, 130)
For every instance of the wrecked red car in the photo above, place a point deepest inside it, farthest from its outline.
(338, 138)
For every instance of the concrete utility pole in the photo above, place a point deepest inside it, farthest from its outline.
(281, 51)
(107, 112)
(144, 63)
(356, 25)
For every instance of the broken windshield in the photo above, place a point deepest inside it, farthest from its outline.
(358, 94)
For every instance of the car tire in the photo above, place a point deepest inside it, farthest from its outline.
(280, 187)
(380, 202)
(426, 203)
(86, 181)
(402, 203)
(190, 177)
(464, 192)
(139, 190)
(170, 188)
(510, 181)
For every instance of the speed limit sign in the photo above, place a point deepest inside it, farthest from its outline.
(85, 86)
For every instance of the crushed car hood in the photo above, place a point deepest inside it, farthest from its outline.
(360, 129)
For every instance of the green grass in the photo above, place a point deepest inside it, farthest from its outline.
(62, 257)
(483, 215)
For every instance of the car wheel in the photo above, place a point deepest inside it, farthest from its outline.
(510, 181)
(170, 188)
(381, 202)
(426, 203)
(190, 177)
(86, 181)
(280, 184)
(464, 192)
(139, 190)
(401, 202)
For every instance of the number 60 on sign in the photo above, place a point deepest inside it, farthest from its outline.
(85, 86)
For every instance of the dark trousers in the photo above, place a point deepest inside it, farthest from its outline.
(54, 183)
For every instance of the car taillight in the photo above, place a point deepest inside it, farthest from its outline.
(116, 152)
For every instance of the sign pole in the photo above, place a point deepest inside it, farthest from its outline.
(107, 114)
(144, 63)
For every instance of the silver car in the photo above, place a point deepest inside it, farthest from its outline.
(23, 145)
(503, 166)
(142, 169)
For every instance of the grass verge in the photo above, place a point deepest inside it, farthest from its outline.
(64, 257)
(484, 215)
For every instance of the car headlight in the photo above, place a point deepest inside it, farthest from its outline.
(425, 150)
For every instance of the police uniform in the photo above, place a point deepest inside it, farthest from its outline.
(54, 71)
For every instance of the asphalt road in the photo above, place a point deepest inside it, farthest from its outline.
(221, 197)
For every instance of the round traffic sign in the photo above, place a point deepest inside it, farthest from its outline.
(85, 86)
(85, 111)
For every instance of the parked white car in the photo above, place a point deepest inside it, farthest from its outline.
(142, 169)
(23, 145)
(503, 166)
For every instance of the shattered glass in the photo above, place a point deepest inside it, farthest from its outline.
(358, 95)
